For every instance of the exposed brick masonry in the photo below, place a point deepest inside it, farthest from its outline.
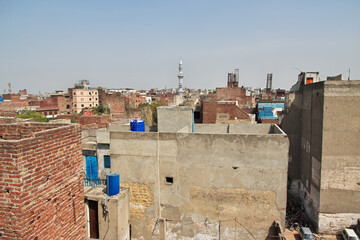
(41, 187)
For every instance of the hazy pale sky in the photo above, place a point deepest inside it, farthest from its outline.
(51, 44)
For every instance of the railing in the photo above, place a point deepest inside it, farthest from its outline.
(94, 182)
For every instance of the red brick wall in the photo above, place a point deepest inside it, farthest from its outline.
(41, 186)
(54, 102)
(212, 108)
(209, 111)
(13, 106)
(117, 108)
(234, 94)
(7, 114)
(271, 121)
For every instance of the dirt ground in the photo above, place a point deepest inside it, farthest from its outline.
(296, 236)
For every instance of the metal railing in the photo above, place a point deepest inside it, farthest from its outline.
(94, 182)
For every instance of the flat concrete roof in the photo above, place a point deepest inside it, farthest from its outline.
(99, 192)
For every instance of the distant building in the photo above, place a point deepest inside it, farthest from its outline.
(305, 78)
(269, 111)
(227, 104)
(83, 96)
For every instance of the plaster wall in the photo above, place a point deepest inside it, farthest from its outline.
(173, 119)
(216, 177)
(340, 167)
(114, 224)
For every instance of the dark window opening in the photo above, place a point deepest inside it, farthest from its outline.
(169, 180)
(107, 162)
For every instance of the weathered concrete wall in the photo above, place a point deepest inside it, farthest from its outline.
(323, 128)
(227, 178)
(291, 124)
(211, 128)
(114, 224)
(237, 128)
(103, 136)
(173, 119)
(340, 167)
(250, 128)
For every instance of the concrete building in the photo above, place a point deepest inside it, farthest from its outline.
(203, 181)
(323, 126)
(107, 216)
(41, 185)
(83, 96)
(269, 111)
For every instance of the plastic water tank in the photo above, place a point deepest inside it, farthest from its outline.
(137, 125)
(113, 184)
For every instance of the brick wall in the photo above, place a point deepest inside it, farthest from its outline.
(117, 108)
(7, 114)
(211, 109)
(234, 94)
(13, 106)
(41, 186)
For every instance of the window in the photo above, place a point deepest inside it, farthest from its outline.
(89, 105)
(89, 99)
(95, 98)
(107, 162)
(82, 105)
(89, 93)
(169, 180)
(74, 93)
(82, 99)
(95, 93)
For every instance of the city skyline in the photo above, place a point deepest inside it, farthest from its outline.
(47, 46)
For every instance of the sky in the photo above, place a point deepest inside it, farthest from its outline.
(48, 45)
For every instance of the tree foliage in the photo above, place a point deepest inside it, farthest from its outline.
(147, 109)
(101, 109)
(37, 117)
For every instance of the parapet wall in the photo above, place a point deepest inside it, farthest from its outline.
(41, 186)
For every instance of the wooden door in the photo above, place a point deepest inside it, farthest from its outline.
(93, 218)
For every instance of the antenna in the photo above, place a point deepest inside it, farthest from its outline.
(349, 75)
(9, 84)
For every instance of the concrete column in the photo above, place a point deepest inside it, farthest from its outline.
(162, 228)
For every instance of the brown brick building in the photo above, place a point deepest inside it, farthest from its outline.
(228, 103)
(41, 182)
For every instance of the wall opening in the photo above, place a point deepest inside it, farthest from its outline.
(169, 180)
(107, 162)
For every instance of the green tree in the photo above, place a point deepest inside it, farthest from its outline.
(37, 117)
(153, 107)
(101, 109)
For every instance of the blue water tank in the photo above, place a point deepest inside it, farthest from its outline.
(113, 184)
(1, 99)
(137, 125)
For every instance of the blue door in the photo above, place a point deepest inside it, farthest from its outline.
(91, 167)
